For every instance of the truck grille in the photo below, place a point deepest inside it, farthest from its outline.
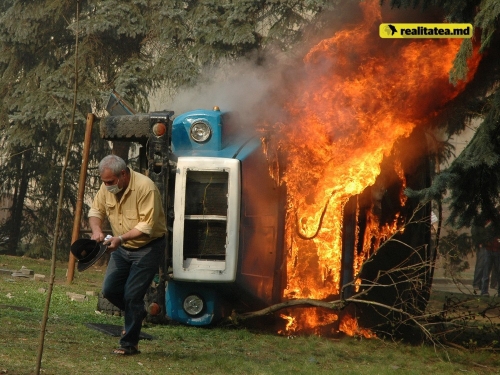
(205, 239)
(205, 216)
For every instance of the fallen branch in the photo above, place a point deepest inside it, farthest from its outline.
(333, 305)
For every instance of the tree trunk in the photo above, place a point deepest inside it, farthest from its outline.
(17, 208)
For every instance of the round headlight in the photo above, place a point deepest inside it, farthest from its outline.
(193, 304)
(200, 131)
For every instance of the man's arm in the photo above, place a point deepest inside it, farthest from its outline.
(96, 227)
(112, 243)
(149, 205)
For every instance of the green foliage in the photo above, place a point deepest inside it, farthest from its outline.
(460, 68)
(37, 80)
(487, 20)
(197, 34)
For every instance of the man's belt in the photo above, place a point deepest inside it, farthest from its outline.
(150, 243)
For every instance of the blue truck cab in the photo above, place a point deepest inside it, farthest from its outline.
(227, 233)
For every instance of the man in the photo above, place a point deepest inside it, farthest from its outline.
(477, 280)
(492, 264)
(132, 204)
(487, 239)
(483, 264)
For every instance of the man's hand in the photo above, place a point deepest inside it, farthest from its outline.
(112, 243)
(95, 225)
(97, 236)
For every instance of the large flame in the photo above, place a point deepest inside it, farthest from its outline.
(360, 94)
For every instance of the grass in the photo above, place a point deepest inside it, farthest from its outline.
(72, 348)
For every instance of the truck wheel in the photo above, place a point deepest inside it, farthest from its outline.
(128, 127)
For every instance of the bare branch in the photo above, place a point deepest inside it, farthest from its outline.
(410, 280)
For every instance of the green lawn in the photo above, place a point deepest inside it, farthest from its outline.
(72, 348)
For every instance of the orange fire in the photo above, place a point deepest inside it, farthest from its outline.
(318, 323)
(349, 326)
(290, 325)
(359, 96)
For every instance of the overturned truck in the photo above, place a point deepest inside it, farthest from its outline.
(226, 250)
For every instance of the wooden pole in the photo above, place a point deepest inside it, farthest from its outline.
(81, 191)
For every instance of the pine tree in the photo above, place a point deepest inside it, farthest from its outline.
(37, 41)
(131, 46)
(197, 34)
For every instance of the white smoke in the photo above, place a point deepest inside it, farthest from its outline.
(237, 87)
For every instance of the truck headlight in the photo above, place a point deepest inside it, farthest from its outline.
(193, 304)
(200, 131)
